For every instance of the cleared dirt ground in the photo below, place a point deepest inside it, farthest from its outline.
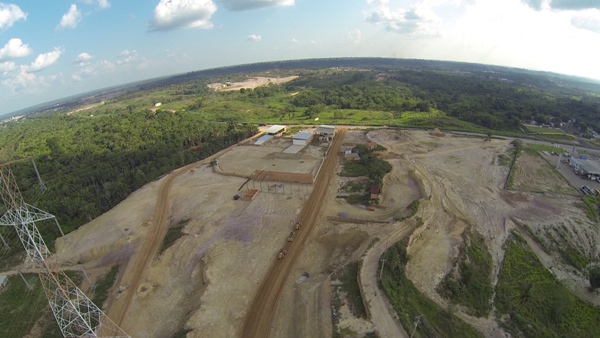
(207, 280)
(251, 83)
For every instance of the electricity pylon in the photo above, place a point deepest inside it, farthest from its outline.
(75, 313)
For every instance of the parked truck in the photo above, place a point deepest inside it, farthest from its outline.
(298, 225)
(291, 236)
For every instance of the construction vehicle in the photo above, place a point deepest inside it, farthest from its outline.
(298, 226)
(291, 236)
(282, 253)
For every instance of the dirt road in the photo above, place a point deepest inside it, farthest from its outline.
(139, 262)
(260, 313)
(381, 313)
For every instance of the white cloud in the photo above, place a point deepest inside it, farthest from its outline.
(243, 5)
(174, 14)
(9, 14)
(7, 66)
(101, 4)
(294, 40)
(589, 20)
(355, 35)
(44, 60)
(107, 66)
(27, 82)
(83, 58)
(510, 33)
(70, 19)
(84, 71)
(419, 20)
(127, 52)
(127, 56)
(14, 48)
(254, 37)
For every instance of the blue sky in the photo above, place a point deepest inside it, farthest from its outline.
(53, 49)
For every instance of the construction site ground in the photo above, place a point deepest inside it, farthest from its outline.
(208, 279)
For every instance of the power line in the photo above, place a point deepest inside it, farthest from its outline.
(75, 313)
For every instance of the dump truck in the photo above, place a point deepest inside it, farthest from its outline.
(291, 236)
(282, 253)
(298, 226)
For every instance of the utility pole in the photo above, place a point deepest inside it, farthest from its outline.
(75, 313)
(383, 259)
(6, 246)
(29, 286)
(418, 320)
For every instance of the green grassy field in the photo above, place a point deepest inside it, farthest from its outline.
(542, 130)
(544, 147)
(530, 302)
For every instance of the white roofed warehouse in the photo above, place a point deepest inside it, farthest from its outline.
(325, 133)
(302, 138)
(263, 139)
(275, 130)
(588, 168)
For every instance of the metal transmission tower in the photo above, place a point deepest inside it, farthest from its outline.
(76, 314)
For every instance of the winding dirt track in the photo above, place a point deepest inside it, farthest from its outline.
(260, 313)
(140, 261)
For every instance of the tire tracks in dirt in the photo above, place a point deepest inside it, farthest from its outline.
(141, 260)
(259, 316)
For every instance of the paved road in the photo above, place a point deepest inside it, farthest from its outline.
(260, 313)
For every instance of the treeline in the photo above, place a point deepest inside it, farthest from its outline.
(496, 103)
(89, 164)
(488, 101)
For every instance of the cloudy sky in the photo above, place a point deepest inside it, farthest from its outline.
(53, 49)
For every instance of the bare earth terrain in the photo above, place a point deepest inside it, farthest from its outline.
(250, 83)
(222, 277)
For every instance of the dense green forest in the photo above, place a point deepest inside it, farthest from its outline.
(89, 164)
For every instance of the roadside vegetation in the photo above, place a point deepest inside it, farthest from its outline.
(104, 284)
(409, 303)
(531, 302)
(173, 234)
(349, 278)
(517, 150)
(469, 283)
(348, 293)
(591, 205)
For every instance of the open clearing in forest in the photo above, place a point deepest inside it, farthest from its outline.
(250, 83)
(207, 279)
